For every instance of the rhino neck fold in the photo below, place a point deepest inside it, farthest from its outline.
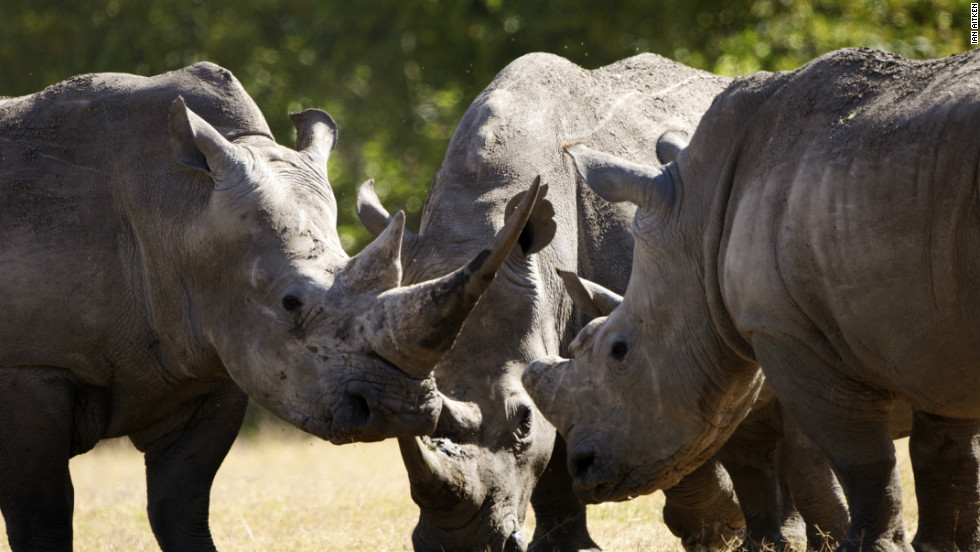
(715, 243)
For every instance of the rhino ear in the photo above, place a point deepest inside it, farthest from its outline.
(372, 213)
(541, 227)
(591, 298)
(615, 179)
(316, 132)
(670, 144)
(376, 219)
(197, 144)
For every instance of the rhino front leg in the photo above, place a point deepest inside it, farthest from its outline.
(181, 465)
(849, 422)
(703, 510)
(36, 494)
(813, 487)
(946, 462)
(559, 514)
(749, 458)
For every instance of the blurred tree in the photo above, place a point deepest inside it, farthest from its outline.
(398, 74)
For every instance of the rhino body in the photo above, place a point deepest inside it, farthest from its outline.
(824, 224)
(492, 452)
(159, 254)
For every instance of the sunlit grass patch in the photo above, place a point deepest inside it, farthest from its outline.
(283, 490)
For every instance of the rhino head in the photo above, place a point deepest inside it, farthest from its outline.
(473, 476)
(637, 413)
(336, 345)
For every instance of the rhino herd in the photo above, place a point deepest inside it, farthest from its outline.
(760, 284)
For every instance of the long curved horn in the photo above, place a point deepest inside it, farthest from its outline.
(419, 323)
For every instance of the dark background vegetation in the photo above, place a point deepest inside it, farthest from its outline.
(397, 75)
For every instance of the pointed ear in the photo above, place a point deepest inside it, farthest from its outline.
(372, 213)
(316, 132)
(670, 144)
(591, 298)
(197, 144)
(376, 219)
(540, 227)
(615, 179)
(378, 266)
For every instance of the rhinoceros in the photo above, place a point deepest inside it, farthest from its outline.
(492, 452)
(782, 481)
(824, 224)
(160, 254)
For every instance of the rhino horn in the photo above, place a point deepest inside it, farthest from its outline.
(419, 323)
(616, 179)
(378, 265)
(428, 471)
(591, 298)
(316, 132)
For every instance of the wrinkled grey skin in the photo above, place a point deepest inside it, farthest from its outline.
(779, 481)
(491, 450)
(737, 494)
(160, 254)
(824, 224)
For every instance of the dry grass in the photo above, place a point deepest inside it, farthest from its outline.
(285, 491)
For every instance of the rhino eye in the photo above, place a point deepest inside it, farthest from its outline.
(526, 417)
(291, 302)
(619, 349)
(523, 420)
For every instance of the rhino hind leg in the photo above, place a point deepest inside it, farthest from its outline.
(945, 457)
(181, 465)
(36, 494)
(559, 514)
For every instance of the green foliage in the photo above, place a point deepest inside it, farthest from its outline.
(398, 75)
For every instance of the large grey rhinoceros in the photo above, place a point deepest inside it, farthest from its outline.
(490, 453)
(784, 484)
(823, 223)
(160, 253)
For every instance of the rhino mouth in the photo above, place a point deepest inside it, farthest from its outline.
(369, 411)
(598, 477)
(511, 539)
(373, 400)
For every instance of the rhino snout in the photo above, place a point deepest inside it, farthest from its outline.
(594, 480)
(366, 414)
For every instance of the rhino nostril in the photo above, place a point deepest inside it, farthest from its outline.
(516, 542)
(582, 463)
(360, 410)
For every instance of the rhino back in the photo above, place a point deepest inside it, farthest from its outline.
(514, 131)
(854, 212)
(86, 176)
